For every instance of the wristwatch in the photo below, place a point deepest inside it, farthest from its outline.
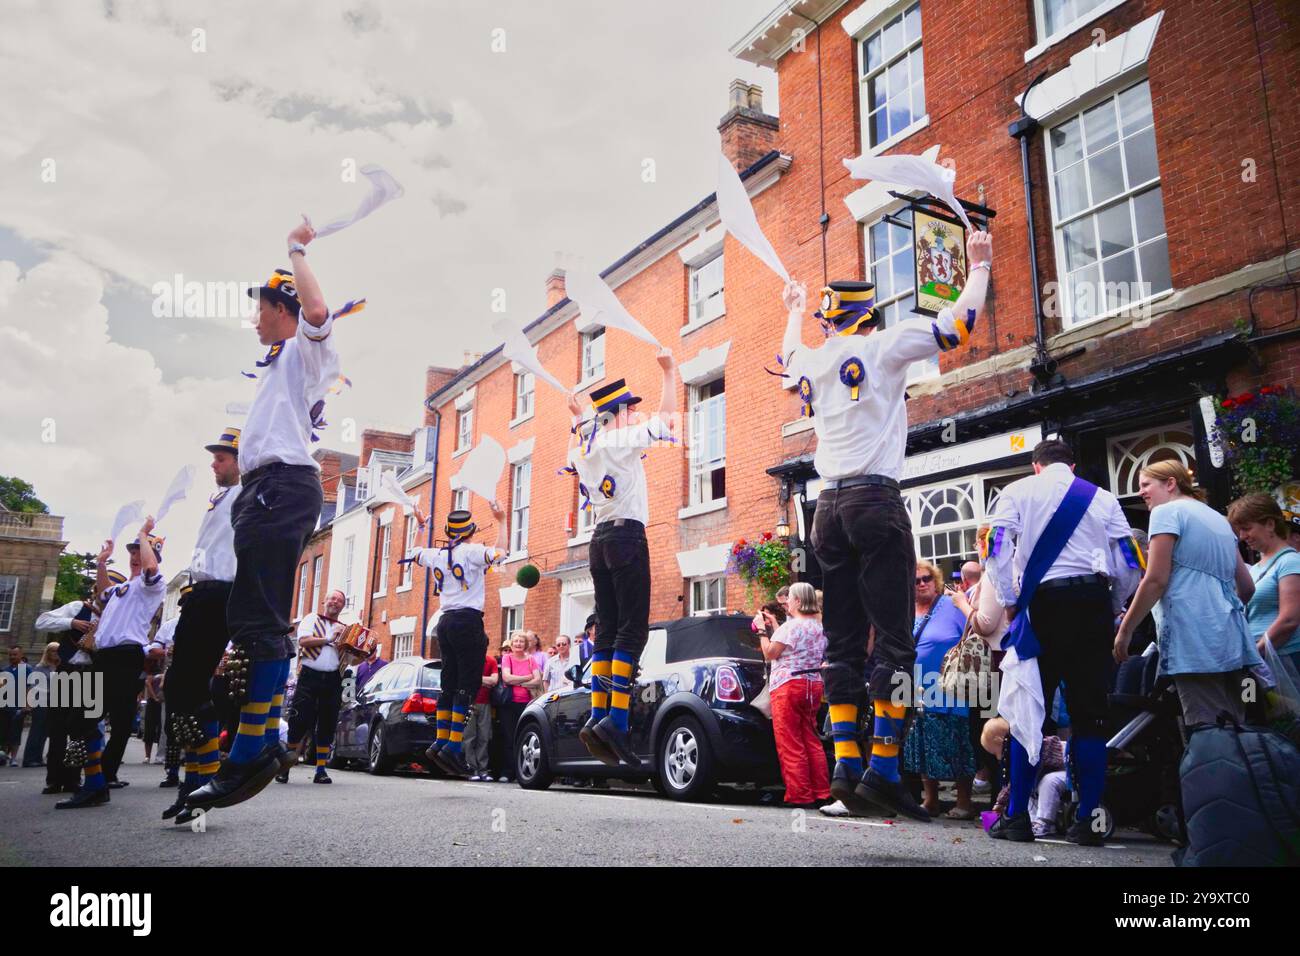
(297, 247)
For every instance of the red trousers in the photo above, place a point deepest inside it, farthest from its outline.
(794, 724)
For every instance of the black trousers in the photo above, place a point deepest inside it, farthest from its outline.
(862, 537)
(462, 642)
(274, 515)
(315, 706)
(620, 572)
(121, 666)
(201, 637)
(64, 722)
(1076, 635)
(508, 715)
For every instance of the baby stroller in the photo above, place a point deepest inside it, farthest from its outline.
(1142, 754)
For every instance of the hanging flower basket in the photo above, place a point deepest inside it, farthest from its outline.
(1260, 435)
(763, 566)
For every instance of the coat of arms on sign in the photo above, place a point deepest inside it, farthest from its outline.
(940, 261)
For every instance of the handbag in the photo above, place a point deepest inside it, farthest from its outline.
(502, 693)
(969, 665)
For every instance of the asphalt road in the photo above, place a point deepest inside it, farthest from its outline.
(414, 820)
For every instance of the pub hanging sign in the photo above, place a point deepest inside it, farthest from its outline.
(939, 253)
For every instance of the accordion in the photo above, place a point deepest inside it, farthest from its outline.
(357, 640)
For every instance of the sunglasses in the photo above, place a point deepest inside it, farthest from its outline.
(920, 581)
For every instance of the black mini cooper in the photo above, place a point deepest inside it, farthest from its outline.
(692, 721)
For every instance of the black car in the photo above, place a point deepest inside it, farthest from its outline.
(392, 720)
(691, 721)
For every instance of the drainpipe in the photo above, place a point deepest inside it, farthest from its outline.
(1043, 367)
(433, 503)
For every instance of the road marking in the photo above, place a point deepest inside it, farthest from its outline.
(1105, 846)
(821, 817)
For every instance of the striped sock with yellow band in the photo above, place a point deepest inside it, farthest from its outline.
(601, 662)
(888, 731)
(273, 717)
(844, 728)
(191, 769)
(207, 756)
(267, 680)
(456, 736)
(94, 768)
(322, 756)
(620, 680)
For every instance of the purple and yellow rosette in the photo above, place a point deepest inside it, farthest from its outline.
(806, 396)
(437, 581)
(458, 573)
(964, 327)
(852, 374)
(607, 486)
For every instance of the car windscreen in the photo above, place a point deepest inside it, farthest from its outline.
(696, 637)
(430, 677)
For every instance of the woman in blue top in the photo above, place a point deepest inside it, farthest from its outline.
(1273, 614)
(1197, 575)
(939, 746)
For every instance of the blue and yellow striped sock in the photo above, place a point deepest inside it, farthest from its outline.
(263, 684)
(208, 754)
(443, 725)
(273, 718)
(322, 757)
(94, 768)
(456, 734)
(844, 728)
(600, 671)
(888, 724)
(191, 768)
(620, 680)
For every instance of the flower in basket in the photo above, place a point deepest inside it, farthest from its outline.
(765, 566)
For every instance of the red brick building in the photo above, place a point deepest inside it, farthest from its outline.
(1162, 162)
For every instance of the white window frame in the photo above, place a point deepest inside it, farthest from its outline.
(521, 479)
(701, 471)
(363, 484)
(706, 584)
(981, 509)
(896, 12)
(464, 429)
(1078, 22)
(403, 645)
(408, 569)
(302, 589)
(512, 619)
(593, 370)
(318, 565)
(1065, 294)
(349, 552)
(586, 523)
(7, 613)
(922, 369)
(525, 397)
(1125, 462)
(385, 553)
(706, 285)
(460, 499)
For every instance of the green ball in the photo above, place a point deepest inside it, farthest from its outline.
(528, 576)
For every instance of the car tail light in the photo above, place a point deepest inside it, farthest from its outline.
(417, 703)
(728, 686)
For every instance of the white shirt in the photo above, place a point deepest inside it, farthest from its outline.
(214, 549)
(278, 427)
(1097, 546)
(128, 611)
(165, 636)
(327, 656)
(867, 436)
(612, 472)
(60, 619)
(472, 559)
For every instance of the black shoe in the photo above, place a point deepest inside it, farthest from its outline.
(118, 784)
(891, 796)
(186, 815)
(84, 798)
(595, 746)
(617, 741)
(1016, 829)
(282, 776)
(431, 755)
(844, 789)
(453, 762)
(53, 788)
(170, 781)
(236, 782)
(321, 776)
(1082, 834)
(185, 790)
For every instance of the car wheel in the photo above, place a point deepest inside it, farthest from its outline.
(532, 768)
(687, 766)
(378, 760)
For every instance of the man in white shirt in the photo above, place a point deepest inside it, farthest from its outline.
(458, 570)
(606, 457)
(319, 692)
(1073, 611)
(853, 387)
(276, 511)
(201, 632)
(119, 656)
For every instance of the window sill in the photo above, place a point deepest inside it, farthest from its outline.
(403, 587)
(586, 383)
(514, 556)
(1070, 29)
(583, 537)
(901, 135)
(459, 451)
(1109, 321)
(690, 327)
(796, 427)
(704, 508)
(379, 594)
(519, 421)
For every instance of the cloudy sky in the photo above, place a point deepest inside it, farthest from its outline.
(146, 140)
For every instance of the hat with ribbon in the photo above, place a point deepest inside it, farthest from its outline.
(229, 441)
(849, 305)
(155, 542)
(279, 289)
(609, 398)
(460, 524)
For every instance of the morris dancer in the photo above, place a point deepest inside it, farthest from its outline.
(276, 511)
(606, 456)
(458, 570)
(201, 631)
(852, 387)
(319, 692)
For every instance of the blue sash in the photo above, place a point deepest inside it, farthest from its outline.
(1020, 634)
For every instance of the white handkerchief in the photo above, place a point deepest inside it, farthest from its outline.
(737, 215)
(127, 514)
(911, 172)
(391, 491)
(598, 303)
(516, 347)
(482, 469)
(383, 188)
(176, 491)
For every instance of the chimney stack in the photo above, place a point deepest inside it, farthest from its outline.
(748, 134)
(435, 377)
(555, 290)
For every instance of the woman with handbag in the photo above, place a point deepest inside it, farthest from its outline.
(519, 675)
(939, 747)
(1273, 611)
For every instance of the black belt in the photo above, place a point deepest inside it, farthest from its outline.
(198, 587)
(620, 523)
(262, 471)
(463, 610)
(1079, 580)
(858, 481)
